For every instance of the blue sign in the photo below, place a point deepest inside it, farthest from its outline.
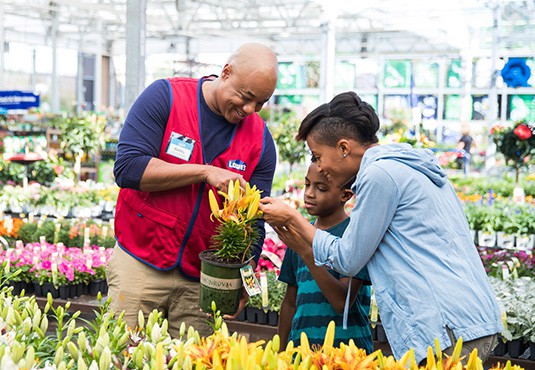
(15, 99)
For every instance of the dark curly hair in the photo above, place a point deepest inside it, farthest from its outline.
(345, 116)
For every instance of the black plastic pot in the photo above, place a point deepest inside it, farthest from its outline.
(381, 335)
(516, 348)
(273, 318)
(501, 348)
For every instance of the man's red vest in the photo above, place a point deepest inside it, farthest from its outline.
(170, 228)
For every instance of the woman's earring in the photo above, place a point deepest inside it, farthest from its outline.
(344, 155)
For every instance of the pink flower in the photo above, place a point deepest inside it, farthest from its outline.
(46, 265)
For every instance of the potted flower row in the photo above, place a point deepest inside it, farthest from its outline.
(70, 232)
(264, 308)
(87, 199)
(42, 268)
(504, 225)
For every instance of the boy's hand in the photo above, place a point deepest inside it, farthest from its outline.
(294, 241)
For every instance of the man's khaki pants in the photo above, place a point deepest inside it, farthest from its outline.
(134, 286)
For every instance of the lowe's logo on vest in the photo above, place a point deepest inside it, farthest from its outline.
(237, 164)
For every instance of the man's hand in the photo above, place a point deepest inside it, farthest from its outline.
(219, 178)
(243, 302)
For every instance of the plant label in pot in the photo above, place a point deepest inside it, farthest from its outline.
(518, 195)
(486, 239)
(525, 242)
(505, 240)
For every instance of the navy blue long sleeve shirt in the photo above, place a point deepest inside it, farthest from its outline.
(142, 134)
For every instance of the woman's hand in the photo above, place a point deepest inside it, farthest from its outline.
(277, 213)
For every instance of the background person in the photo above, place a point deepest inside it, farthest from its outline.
(408, 227)
(182, 137)
(315, 295)
(466, 142)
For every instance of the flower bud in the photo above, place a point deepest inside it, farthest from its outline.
(105, 359)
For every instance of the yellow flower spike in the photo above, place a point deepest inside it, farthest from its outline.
(30, 357)
(58, 358)
(406, 357)
(276, 343)
(329, 338)
(457, 350)
(105, 358)
(214, 206)
(253, 207)
(290, 346)
(224, 330)
(430, 358)
(182, 329)
(140, 320)
(306, 363)
(191, 332)
(44, 324)
(241, 354)
(412, 359)
(380, 359)
(267, 353)
(438, 351)
(472, 363)
(230, 191)
(187, 365)
(305, 346)
(368, 360)
(73, 350)
(159, 357)
(81, 364)
(237, 190)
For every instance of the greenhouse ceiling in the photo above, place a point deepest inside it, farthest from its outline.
(292, 27)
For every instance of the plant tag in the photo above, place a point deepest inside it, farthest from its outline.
(505, 272)
(8, 224)
(264, 285)
(249, 280)
(374, 312)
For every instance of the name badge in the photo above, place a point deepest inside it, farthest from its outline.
(180, 146)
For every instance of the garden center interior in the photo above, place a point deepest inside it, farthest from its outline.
(433, 70)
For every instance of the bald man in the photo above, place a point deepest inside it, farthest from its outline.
(182, 137)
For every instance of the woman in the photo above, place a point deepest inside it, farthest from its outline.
(408, 227)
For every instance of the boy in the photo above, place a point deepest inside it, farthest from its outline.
(315, 295)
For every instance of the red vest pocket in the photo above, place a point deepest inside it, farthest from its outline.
(153, 227)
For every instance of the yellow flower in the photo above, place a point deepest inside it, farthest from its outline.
(236, 232)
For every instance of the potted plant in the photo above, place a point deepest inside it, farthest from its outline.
(517, 144)
(507, 226)
(487, 234)
(231, 247)
(526, 226)
(81, 135)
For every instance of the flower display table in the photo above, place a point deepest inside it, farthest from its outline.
(87, 305)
